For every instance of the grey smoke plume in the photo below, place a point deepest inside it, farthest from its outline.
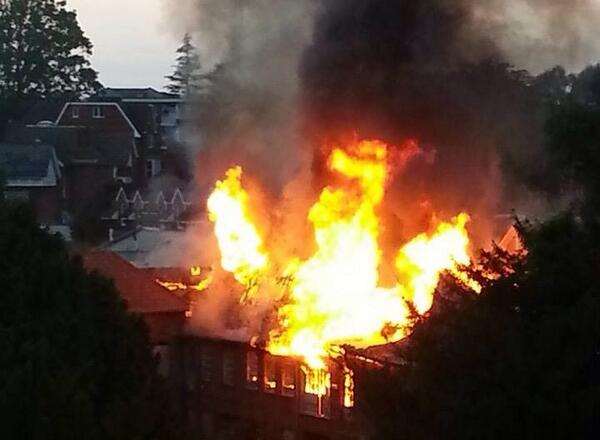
(290, 75)
(538, 34)
(390, 69)
(253, 48)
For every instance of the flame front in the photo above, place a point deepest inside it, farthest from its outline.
(335, 297)
(421, 261)
(239, 242)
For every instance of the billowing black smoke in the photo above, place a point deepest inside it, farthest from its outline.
(402, 69)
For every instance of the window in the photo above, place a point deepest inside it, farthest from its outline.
(75, 112)
(229, 368)
(98, 112)
(190, 366)
(252, 370)
(270, 374)
(315, 393)
(153, 167)
(16, 195)
(161, 353)
(288, 379)
(206, 364)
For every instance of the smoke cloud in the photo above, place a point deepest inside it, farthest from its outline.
(249, 112)
(538, 34)
(291, 78)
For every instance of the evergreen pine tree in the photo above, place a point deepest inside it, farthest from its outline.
(186, 78)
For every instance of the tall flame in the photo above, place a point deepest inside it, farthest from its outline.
(239, 242)
(421, 261)
(335, 296)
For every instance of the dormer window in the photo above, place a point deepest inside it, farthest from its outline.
(75, 112)
(98, 112)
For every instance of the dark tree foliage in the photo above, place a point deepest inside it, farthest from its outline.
(520, 360)
(43, 53)
(586, 86)
(186, 78)
(573, 141)
(74, 363)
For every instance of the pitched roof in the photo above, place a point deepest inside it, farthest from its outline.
(135, 94)
(112, 148)
(135, 131)
(71, 143)
(141, 115)
(42, 110)
(76, 144)
(29, 165)
(141, 293)
(511, 241)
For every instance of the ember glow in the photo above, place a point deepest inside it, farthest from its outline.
(199, 284)
(335, 297)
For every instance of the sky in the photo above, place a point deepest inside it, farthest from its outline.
(132, 45)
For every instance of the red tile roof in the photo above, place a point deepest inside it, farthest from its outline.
(141, 293)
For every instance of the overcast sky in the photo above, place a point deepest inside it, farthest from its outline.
(132, 47)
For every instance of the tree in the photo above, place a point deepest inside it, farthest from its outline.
(43, 53)
(73, 362)
(586, 87)
(186, 79)
(520, 360)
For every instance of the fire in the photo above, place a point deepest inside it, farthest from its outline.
(335, 297)
(317, 381)
(172, 285)
(421, 261)
(348, 387)
(195, 272)
(239, 242)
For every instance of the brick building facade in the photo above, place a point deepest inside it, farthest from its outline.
(232, 390)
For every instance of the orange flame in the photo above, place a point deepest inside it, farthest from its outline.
(239, 242)
(335, 296)
(317, 381)
(348, 387)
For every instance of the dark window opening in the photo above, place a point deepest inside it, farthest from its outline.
(229, 368)
(206, 364)
(98, 112)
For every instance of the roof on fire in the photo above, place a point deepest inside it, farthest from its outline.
(139, 290)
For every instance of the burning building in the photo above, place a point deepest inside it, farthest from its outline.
(319, 236)
(268, 347)
(275, 328)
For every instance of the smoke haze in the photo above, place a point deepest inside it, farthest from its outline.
(538, 34)
(291, 78)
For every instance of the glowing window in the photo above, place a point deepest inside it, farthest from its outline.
(288, 379)
(252, 370)
(270, 374)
